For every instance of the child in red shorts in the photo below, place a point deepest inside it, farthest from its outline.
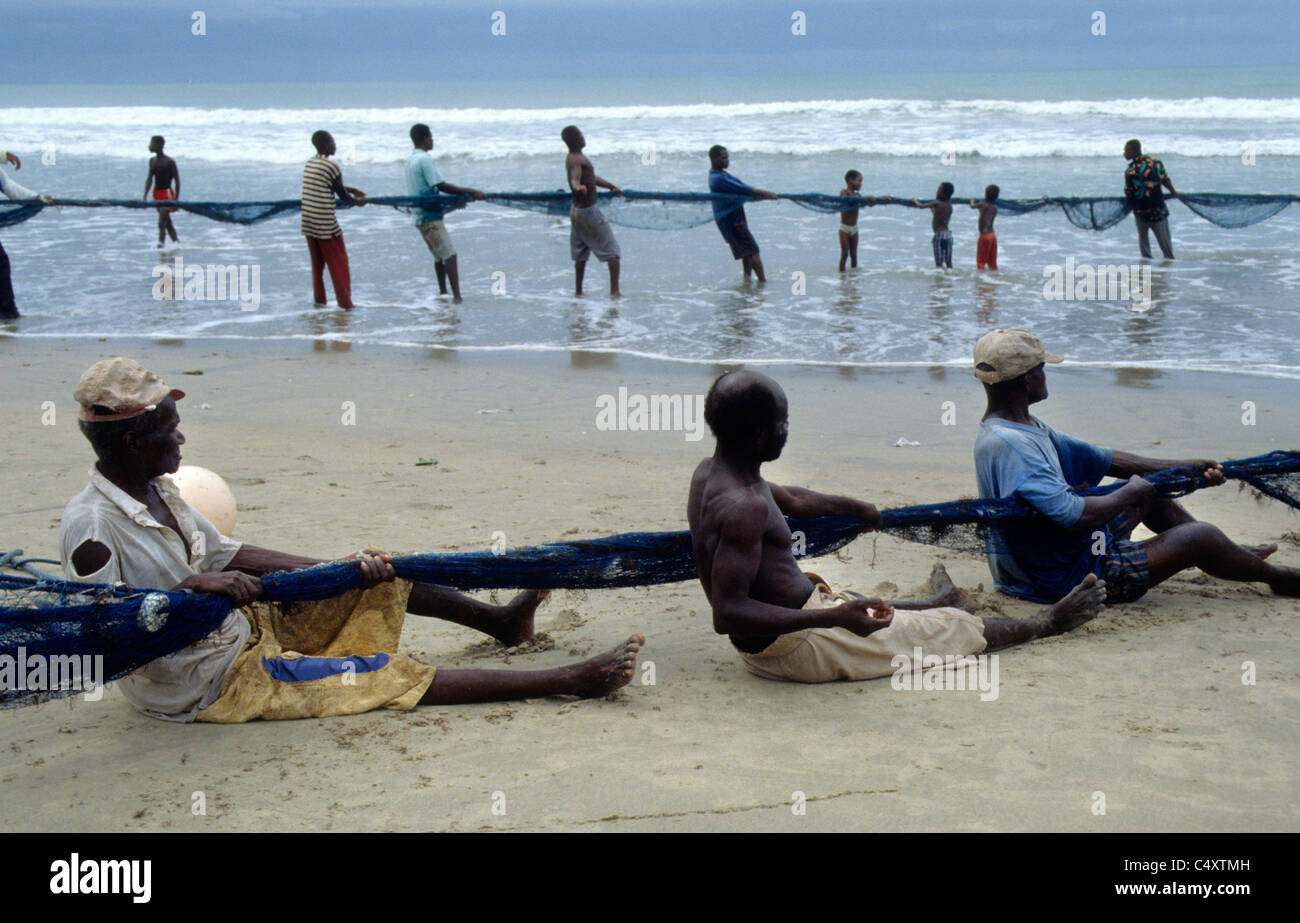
(986, 251)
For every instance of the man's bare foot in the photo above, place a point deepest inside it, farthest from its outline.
(1260, 551)
(947, 593)
(517, 619)
(1288, 584)
(457, 300)
(1082, 605)
(616, 294)
(606, 672)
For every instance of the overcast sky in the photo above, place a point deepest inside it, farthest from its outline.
(151, 41)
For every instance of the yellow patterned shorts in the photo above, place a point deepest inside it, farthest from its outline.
(327, 657)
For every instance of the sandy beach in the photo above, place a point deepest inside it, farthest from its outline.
(1146, 705)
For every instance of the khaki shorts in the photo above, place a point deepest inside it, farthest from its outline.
(438, 240)
(327, 657)
(820, 655)
(590, 233)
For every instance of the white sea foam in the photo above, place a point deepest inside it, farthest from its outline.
(997, 128)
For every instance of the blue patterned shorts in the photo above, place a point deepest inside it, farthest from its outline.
(1124, 569)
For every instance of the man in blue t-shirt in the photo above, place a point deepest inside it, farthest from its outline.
(731, 221)
(1016, 454)
(423, 179)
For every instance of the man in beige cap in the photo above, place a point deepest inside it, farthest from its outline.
(131, 525)
(1016, 454)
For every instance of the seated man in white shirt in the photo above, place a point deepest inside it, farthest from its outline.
(268, 660)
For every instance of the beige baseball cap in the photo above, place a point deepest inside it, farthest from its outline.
(120, 389)
(1005, 354)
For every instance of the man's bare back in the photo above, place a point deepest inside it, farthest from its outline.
(942, 213)
(720, 499)
(162, 170)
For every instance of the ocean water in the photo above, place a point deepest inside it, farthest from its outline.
(1226, 303)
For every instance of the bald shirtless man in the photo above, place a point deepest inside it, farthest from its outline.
(785, 625)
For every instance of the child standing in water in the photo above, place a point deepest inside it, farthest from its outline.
(849, 219)
(165, 178)
(941, 207)
(986, 251)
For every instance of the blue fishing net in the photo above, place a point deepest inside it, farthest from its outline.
(130, 627)
(678, 210)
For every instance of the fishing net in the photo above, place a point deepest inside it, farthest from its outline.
(678, 210)
(129, 627)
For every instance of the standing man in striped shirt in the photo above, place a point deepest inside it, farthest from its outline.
(322, 180)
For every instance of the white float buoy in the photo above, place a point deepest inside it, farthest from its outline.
(209, 494)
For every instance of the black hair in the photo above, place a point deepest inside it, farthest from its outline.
(945, 192)
(318, 139)
(420, 131)
(991, 193)
(852, 174)
(715, 151)
(567, 133)
(733, 414)
(1133, 144)
(106, 436)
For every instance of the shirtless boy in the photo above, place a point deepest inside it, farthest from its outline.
(849, 219)
(163, 176)
(589, 232)
(941, 207)
(986, 251)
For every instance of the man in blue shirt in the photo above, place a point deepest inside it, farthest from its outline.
(731, 221)
(1017, 454)
(423, 179)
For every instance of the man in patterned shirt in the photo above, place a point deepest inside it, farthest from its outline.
(1142, 182)
(322, 180)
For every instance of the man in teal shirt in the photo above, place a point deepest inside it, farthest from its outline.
(423, 179)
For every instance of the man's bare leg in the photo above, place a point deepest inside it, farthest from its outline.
(757, 264)
(1082, 605)
(1163, 514)
(1199, 544)
(441, 269)
(453, 277)
(614, 266)
(579, 270)
(589, 679)
(510, 624)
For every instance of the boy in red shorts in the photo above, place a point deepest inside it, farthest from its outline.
(163, 175)
(986, 251)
